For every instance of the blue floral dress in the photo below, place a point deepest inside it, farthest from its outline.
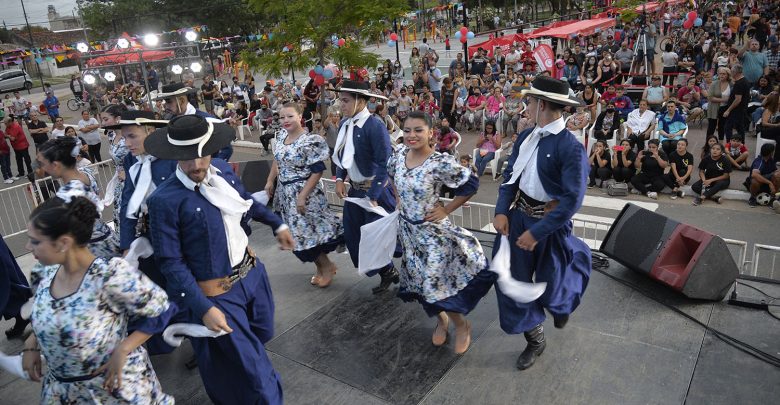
(118, 152)
(104, 241)
(319, 230)
(443, 266)
(77, 333)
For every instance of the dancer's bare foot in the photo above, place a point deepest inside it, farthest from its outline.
(327, 275)
(462, 337)
(440, 333)
(315, 279)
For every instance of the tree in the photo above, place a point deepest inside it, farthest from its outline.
(306, 28)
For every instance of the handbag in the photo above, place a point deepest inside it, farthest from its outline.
(617, 189)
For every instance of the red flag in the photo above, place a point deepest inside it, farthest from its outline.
(545, 58)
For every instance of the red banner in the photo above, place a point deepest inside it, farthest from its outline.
(545, 58)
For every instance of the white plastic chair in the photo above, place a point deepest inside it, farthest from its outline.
(761, 141)
(458, 140)
(244, 124)
(657, 135)
(492, 165)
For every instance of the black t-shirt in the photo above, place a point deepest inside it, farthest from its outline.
(650, 165)
(38, 138)
(604, 156)
(478, 65)
(207, 88)
(681, 162)
(715, 168)
(630, 157)
(742, 87)
(447, 96)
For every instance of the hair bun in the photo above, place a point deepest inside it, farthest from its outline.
(82, 210)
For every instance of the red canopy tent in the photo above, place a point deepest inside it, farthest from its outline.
(583, 28)
(504, 42)
(123, 56)
(551, 26)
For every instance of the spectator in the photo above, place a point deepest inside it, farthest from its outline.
(21, 107)
(736, 107)
(589, 71)
(475, 109)
(681, 162)
(655, 94)
(571, 72)
(669, 60)
(88, 126)
(578, 121)
(599, 160)
(446, 138)
(487, 143)
(689, 98)
(433, 77)
(607, 123)
(459, 59)
(764, 176)
(151, 77)
(623, 103)
(424, 48)
(478, 63)
(494, 104)
(754, 63)
(311, 93)
(58, 130)
(39, 131)
(52, 104)
(607, 71)
(15, 134)
(608, 95)
(717, 96)
(713, 176)
(5, 159)
(737, 153)
(77, 87)
(770, 121)
(208, 91)
(652, 163)
(507, 146)
(671, 127)
(773, 56)
(591, 99)
(639, 125)
(623, 162)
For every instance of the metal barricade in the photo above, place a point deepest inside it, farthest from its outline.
(765, 268)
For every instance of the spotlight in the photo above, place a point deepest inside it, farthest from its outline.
(151, 40)
(123, 43)
(190, 36)
(89, 79)
(110, 76)
(196, 67)
(82, 47)
(176, 69)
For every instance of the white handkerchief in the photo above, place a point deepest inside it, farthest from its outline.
(365, 203)
(261, 197)
(174, 334)
(141, 248)
(377, 243)
(13, 365)
(518, 291)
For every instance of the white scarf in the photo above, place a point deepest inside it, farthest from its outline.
(345, 141)
(222, 195)
(143, 187)
(528, 148)
(190, 109)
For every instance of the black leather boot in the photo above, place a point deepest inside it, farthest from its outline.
(536, 345)
(18, 328)
(389, 276)
(560, 321)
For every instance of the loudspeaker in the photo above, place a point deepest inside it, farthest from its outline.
(254, 174)
(685, 258)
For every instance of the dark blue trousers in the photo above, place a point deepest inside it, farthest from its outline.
(14, 289)
(355, 217)
(235, 367)
(561, 260)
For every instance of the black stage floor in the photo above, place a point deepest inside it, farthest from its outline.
(343, 345)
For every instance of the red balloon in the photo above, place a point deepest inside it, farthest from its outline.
(342, 41)
(688, 24)
(319, 80)
(464, 30)
(463, 39)
(312, 74)
(692, 16)
(394, 36)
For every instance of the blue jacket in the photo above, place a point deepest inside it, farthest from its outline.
(161, 170)
(189, 239)
(372, 149)
(563, 170)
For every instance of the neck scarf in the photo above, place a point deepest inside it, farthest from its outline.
(344, 141)
(143, 187)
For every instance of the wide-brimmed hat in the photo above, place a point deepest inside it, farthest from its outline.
(552, 90)
(137, 117)
(188, 137)
(173, 90)
(361, 88)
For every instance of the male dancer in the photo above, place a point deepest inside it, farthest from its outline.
(360, 155)
(203, 253)
(544, 186)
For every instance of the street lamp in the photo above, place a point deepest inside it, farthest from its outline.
(196, 67)
(89, 79)
(151, 40)
(123, 43)
(177, 69)
(191, 36)
(110, 76)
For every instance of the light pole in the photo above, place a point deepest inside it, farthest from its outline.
(395, 29)
(32, 43)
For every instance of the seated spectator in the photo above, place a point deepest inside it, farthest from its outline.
(623, 162)
(606, 123)
(578, 121)
(671, 127)
(591, 99)
(446, 138)
(599, 163)
(689, 98)
(764, 176)
(770, 120)
(737, 153)
(513, 105)
(705, 150)
(608, 95)
(487, 143)
(270, 133)
(652, 162)
(507, 146)
(655, 94)
(639, 125)
(428, 105)
(681, 162)
(494, 104)
(475, 108)
(714, 173)
(623, 103)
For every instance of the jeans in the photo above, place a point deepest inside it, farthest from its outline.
(735, 120)
(5, 165)
(623, 174)
(669, 146)
(710, 191)
(94, 153)
(23, 156)
(603, 173)
(482, 162)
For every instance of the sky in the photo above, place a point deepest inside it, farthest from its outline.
(36, 11)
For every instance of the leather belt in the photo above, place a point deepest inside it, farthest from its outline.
(361, 185)
(531, 207)
(219, 286)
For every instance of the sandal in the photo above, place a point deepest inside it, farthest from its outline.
(323, 281)
(440, 333)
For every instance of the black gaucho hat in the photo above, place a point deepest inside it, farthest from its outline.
(552, 90)
(137, 117)
(188, 137)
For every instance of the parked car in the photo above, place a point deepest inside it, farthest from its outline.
(14, 79)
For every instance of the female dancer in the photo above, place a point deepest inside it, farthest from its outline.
(81, 308)
(58, 159)
(299, 161)
(443, 266)
(111, 115)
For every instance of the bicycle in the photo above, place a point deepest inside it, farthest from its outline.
(76, 104)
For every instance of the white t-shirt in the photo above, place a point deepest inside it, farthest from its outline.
(91, 137)
(57, 133)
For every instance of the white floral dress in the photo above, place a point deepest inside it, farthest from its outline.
(318, 230)
(440, 260)
(77, 334)
(104, 241)
(118, 152)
